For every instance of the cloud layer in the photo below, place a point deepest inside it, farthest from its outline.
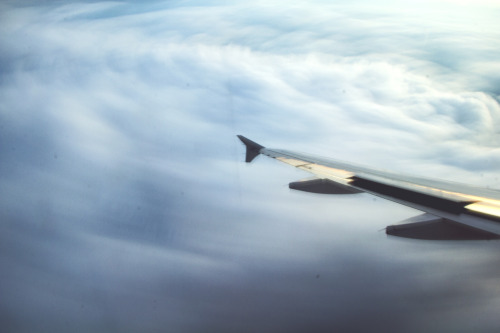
(125, 202)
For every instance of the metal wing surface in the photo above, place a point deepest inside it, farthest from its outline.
(452, 211)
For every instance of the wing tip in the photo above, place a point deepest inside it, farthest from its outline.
(253, 148)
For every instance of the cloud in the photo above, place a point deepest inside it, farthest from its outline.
(125, 202)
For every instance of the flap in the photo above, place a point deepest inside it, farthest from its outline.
(322, 186)
(430, 227)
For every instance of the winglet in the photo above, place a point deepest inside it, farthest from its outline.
(253, 148)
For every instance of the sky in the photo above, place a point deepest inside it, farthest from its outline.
(125, 201)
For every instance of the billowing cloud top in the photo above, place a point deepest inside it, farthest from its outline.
(125, 204)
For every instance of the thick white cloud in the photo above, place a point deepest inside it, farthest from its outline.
(124, 193)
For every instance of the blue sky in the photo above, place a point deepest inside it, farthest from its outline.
(126, 204)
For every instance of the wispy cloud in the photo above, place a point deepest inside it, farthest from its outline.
(126, 204)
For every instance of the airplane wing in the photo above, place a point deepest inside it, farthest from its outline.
(451, 211)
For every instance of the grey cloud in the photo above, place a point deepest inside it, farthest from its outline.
(125, 202)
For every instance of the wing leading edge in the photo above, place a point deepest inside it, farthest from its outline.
(452, 211)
